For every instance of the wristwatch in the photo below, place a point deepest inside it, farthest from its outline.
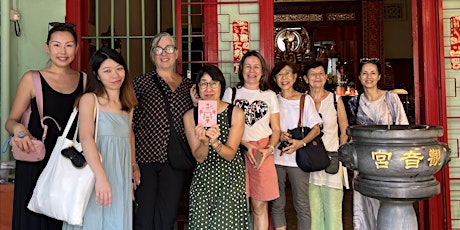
(273, 148)
(304, 143)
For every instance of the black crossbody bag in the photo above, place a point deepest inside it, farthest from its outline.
(313, 156)
(179, 153)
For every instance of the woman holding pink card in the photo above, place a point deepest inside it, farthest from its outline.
(214, 131)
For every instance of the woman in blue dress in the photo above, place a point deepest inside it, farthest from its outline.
(111, 157)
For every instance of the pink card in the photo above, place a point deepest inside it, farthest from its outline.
(207, 112)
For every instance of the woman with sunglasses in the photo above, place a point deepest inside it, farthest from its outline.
(373, 107)
(326, 189)
(110, 158)
(160, 187)
(261, 133)
(60, 87)
(217, 193)
(285, 81)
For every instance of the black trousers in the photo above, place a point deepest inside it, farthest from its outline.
(158, 196)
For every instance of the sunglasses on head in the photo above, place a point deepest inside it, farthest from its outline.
(61, 24)
(369, 60)
(75, 156)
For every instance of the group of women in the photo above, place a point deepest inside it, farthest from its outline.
(238, 158)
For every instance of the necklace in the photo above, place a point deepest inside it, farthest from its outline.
(318, 98)
(288, 97)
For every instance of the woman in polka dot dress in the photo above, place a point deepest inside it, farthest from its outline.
(217, 193)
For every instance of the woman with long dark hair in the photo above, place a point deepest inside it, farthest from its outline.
(61, 85)
(111, 157)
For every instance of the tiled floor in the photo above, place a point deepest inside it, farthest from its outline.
(290, 212)
(347, 211)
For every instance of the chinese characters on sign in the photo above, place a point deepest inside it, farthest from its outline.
(411, 159)
(382, 159)
(455, 42)
(435, 157)
(240, 41)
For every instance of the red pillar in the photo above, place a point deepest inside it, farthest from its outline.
(430, 104)
(267, 40)
(77, 13)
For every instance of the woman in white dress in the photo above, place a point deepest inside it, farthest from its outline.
(326, 190)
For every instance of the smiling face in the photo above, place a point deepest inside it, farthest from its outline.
(209, 89)
(316, 77)
(369, 76)
(285, 78)
(62, 48)
(164, 60)
(252, 71)
(111, 74)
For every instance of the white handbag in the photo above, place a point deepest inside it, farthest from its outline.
(63, 190)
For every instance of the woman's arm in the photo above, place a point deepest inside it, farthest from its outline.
(342, 121)
(401, 118)
(196, 137)
(276, 130)
(297, 144)
(228, 150)
(274, 138)
(135, 168)
(24, 93)
(86, 133)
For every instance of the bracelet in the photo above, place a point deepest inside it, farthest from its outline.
(211, 143)
(218, 147)
(22, 134)
(304, 143)
(273, 148)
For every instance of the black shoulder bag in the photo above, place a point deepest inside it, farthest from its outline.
(313, 156)
(179, 154)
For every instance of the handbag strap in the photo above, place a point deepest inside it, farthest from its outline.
(165, 100)
(70, 122)
(302, 104)
(39, 100)
(38, 92)
(233, 95)
(96, 117)
(74, 115)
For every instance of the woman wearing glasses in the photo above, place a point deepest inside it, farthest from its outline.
(373, 107)
(261, 133)
(60, 87)
(217, 193)
(286, 82)
(160, 185)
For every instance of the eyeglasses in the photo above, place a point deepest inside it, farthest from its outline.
(212, 84)
(369, 60)
(159, 50)
(287, 74)
(61, 24)
(75, 156)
